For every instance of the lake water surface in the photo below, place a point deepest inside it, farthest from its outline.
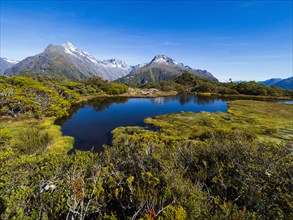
(91, 122)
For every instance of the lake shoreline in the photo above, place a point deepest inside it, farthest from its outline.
(96, 118)
(103, 103)
(25, 123)
(153, 93)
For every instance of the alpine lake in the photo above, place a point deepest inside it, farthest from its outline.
(91, 122)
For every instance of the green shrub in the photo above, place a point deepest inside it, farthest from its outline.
(114, 88)
(32, 140)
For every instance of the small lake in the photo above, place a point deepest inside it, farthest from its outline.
(91, 122)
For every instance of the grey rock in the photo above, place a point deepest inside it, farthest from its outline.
(161, 68)
(71, 62)
(6, 64)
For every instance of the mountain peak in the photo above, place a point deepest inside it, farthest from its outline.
(69, 46)
(116, 63)
(162, 68)
(161, 56)
(70, 49)
(163, 59)
(115, 60)
(69, 61)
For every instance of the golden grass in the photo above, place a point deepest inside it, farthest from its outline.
(59, 143)
(256, 119)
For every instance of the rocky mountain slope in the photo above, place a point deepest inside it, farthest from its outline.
(161, 68)
(71, 62)
(6, 64)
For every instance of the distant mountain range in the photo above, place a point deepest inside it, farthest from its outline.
(270, 82)
(70, 62)
(282, 83)
(5, 64)
(73, 63)
(161, 68)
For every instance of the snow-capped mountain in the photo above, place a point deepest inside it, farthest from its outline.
(72, 50)
(5, 64)
(163, 59)
(162, 68)
(69, 61)
(116, 68)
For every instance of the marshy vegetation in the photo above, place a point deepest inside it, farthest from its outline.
(234, 165)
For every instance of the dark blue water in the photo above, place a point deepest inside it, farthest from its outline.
(91, 122)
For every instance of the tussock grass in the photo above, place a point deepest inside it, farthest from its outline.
(32, 140)
(35, 136)
(254, 119)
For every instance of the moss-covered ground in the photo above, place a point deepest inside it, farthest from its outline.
(253, 119)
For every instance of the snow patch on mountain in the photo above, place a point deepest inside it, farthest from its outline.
(10, 61)
(6, 64)
(139, 65)
(162, 68)
(115, 63)
(71, 62)
(72, 50)
(163, 59)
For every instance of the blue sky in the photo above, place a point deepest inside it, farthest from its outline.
(242, 40)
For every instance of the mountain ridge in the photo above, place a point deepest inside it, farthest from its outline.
(282, 83)
(285, 83)
(74, 63)
(6, 64)
(71, 62)
(162, 68)
(270, 82)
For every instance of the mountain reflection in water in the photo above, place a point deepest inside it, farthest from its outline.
(91, 122)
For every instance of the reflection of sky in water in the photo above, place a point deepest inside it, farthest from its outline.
(91, 123)
(289, 102)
